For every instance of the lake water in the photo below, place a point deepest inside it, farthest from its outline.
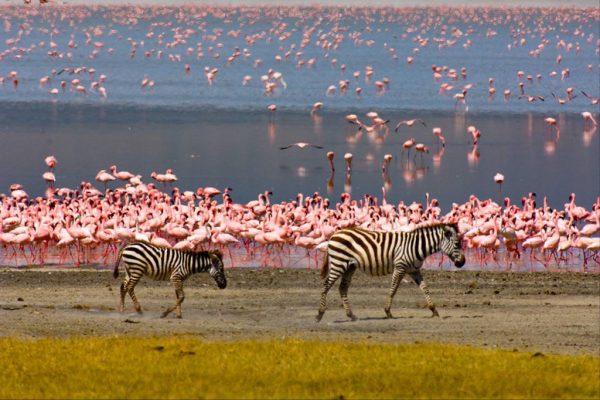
(222, 135)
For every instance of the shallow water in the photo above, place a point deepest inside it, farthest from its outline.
(241, 150)
(221, 134)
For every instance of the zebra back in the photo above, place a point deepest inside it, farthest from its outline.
(378, 252)
(159, 262)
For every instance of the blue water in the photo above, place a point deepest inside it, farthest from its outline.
(222, 135)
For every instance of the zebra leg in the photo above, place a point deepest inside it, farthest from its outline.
(418, 278)
(327, 284)
(344, 285)
(396, 279)
(123, 294)
(178, 284)
(129, 288)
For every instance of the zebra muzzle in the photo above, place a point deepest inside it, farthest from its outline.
(222, 285)
(460, 261)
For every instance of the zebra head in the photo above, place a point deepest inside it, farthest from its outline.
(451, 245)
(217, 270)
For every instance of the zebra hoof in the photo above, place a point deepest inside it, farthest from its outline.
(434, 313)
(388, 314)
(163, 315)
(352, 317)
(319, 316)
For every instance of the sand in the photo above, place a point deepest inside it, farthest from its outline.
(545, 312)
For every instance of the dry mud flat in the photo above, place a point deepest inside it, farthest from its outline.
(546, 312)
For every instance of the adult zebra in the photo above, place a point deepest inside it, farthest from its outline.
(160, 263)
(382, 253)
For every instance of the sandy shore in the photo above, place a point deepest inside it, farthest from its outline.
(546, 312)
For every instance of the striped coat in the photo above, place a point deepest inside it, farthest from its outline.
(161, 263)
(382, 253)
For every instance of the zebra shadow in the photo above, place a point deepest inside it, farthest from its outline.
(349, 321)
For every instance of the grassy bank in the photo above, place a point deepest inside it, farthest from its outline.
(188, 368)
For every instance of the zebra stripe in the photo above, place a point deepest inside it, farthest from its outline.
(382, 253)
(160, 263)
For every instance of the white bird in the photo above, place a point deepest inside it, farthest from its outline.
(301, 145)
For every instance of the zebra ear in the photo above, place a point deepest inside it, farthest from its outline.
(216, 253)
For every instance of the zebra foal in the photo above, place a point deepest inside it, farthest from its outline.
(382, 253)
(160, 263)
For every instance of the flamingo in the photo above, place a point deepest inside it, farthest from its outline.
(408, 144)
(50, 162)
(301, 145)
(409, 123)
(104, 177)
(499, 179)
(587, 116)
(122, 175)
(437, 132)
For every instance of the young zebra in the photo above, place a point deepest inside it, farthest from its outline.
(382, 253)
(160, 263)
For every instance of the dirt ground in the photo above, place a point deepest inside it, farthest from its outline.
(545, 312)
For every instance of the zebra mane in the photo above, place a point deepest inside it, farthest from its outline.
(201, 252)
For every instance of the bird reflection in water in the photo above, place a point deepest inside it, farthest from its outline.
(588, 136)
(330, 155)
(437, 158)
(411, 172)
(473, 156)
(348, 182)
(272, 131)
(301, 172)
(354, 138)
(387, 182)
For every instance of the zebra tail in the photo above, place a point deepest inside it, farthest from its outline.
(325, 268)
(116, 270)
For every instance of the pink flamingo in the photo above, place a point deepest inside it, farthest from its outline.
(122, 175)
(409, 123)
(104, 177)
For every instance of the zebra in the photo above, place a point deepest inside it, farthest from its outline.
(382, 253)
(161, 263)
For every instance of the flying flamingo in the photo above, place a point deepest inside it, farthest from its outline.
(301, 145)
(409, 123)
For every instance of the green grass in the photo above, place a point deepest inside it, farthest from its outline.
(184, 367)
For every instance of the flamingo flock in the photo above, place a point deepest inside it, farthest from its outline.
(88, 225)
(193, 41)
